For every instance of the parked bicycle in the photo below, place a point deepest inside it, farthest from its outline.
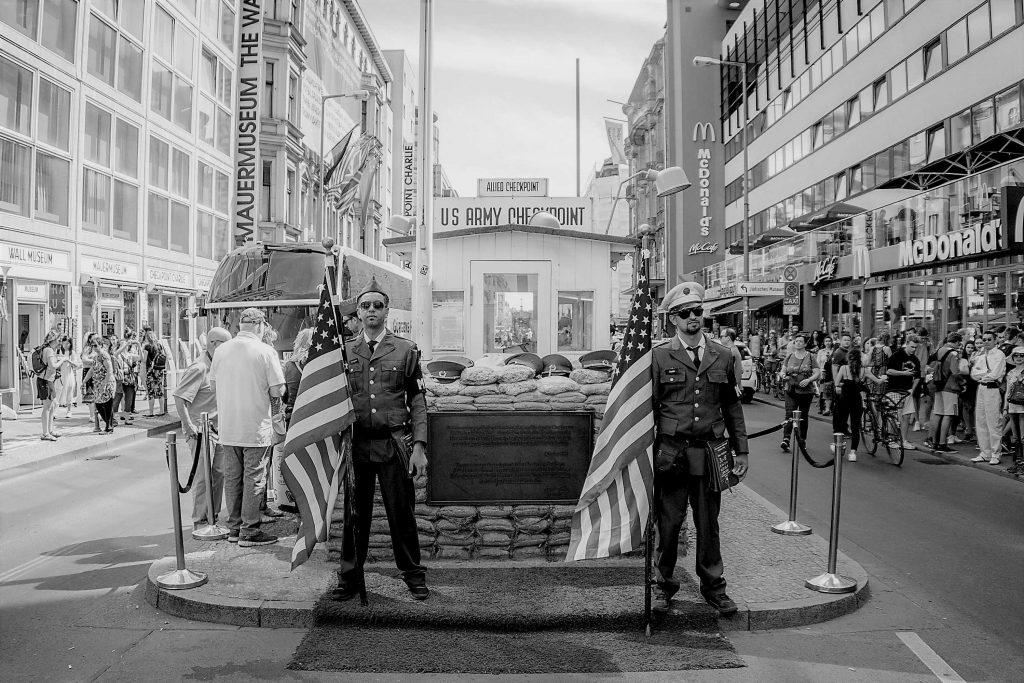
(880, 424)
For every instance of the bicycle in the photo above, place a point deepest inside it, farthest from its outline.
(881, 421)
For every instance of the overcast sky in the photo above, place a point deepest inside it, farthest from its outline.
(504, 79)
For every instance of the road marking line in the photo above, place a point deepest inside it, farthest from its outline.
(37, 562)
(929, 657)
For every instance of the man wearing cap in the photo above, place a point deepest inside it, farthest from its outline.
(193, 397)
(387, 393)
(247, 379)
(694, 401)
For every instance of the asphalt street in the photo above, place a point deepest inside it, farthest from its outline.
(942, 545)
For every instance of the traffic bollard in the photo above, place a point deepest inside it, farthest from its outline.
(830, 582)
(212, 531)
(181, 578)
(791, 527)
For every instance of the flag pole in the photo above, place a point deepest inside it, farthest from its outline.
(348, 530)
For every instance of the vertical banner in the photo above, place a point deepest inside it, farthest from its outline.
(247, 120)
(613, 129)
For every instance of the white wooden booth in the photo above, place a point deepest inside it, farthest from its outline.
(511, 288)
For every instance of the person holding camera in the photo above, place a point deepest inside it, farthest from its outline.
(799, 370)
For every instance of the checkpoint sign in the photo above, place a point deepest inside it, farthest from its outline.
(791, 299)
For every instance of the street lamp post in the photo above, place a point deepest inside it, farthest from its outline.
(358, 94)
(667, 181)
(711, 61)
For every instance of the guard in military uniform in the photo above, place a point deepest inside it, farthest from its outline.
(391, 411)
(694, 401)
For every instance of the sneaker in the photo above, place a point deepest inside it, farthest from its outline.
(784, 445)
(259, 538)
(944, 449)
(907, 446)
(47, 437)
(233, 536)
(953, 440)
(852, 456)
(929, 445)
(979, 458)
(720, 601)
(271, 512)
(994, 460)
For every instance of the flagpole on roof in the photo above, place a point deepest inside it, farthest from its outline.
(422, 321)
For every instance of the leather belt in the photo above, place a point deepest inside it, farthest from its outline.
(991, 385)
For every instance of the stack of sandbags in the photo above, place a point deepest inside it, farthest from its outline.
(563, 393)
(533, 524)
(595, 385)
(426, 529)
(561, 524)
(495, 532)
(456, 537)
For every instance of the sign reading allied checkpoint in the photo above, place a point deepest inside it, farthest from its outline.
(508, 457)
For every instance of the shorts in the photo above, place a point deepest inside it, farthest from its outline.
(44, 389)
(945, 403)
(909, 404)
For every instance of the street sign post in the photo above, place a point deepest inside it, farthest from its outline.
(791, 299)
(753, 289)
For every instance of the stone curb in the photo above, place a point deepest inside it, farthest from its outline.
(82, 452)
(952, 458)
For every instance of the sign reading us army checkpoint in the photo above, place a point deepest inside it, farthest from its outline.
(508, 457)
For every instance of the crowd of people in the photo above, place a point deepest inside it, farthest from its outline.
(967, 387)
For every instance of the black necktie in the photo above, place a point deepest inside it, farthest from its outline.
(372, 345)
(695, 352)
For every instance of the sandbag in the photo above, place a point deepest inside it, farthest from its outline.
(495, 539)
(601, 389)
(570, 396)
(529, 540)
(458, 407)
(556, 385)
(559, 526)
(490, 524)
(497, 399)
(494, 511)
(458, 513)
(532, 405)
(517, 388)
(520, 511)
(528, 552)
(454, 538)
(596, 400)
(380, 540)
(430, 512)
(427, 540)
(532, 396)
(453, 552)
(562, 511)
(474, 390)
(479, 375)
(561, 538)
(431, 401)
(492, 553)
(583, 376)
(445, 526)
(424, 526)
(379, 526)
(494, 406)
(421, 495)
(453, 400)
(514, 373)
(567, 405)
(533, 525)
(441, 388)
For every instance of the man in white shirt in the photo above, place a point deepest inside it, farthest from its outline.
(44, 383)
(988, 370)
(247, 379)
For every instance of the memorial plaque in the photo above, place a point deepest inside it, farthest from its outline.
(512, 457)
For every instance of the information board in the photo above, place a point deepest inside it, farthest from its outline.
(508, 457)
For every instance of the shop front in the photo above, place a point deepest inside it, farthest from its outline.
(170, 302)
(34, 290)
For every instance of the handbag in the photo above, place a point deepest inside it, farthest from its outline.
(1016, 393)
(794, 382)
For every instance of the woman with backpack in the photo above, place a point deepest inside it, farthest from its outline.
(799, 371)
(101, 374)
(850, 381)
(154, 359)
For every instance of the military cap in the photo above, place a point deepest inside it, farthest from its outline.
(466, 362)
(372, 288)
(555, 364)
(598, 360)
(683, 295)
(530, 360)
(445, 371)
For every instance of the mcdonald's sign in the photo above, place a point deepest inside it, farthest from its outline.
(704, 129)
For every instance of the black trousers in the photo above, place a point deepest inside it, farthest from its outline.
(848, 407)
(106, 411)
(399, 495)
(129, 397)
(672, 492)
(803, 402)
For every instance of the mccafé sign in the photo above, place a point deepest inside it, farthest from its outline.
(979, 239)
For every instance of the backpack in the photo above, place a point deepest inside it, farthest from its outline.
(38, 364)
(936, 376)
(159, 360)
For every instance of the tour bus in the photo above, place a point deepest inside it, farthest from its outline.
(284, 281)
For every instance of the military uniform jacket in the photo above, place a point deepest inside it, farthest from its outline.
(387, 393)
(692, 403)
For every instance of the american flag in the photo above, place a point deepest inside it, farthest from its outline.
(312, 447)
(616, 498)
(358, 158)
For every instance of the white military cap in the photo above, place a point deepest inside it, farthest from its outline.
(683, 295)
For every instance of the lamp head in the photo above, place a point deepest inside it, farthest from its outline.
(706, 61)
(360, 94)
(643, 230)
(671, 180)
(543, 219)
(401, 224)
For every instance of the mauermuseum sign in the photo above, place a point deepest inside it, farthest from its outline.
(508, 457)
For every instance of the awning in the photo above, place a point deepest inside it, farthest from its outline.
(757, 303)
(818, 219)
(712, 306)
(993, 151)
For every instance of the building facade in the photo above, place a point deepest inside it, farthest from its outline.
(886, 137)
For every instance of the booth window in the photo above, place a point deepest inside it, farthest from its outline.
(510, 312)
(575, 321)
(449, 321)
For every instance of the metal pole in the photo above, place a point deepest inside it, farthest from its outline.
(423, 253)
(830, 582)
(323, 191)
(791, 527)
(181, 578)
(212, 531)
(746, 200)
(577, 126)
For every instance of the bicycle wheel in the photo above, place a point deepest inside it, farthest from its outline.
(893, 440)
(869, 431)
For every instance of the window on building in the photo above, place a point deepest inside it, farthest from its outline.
(883, 167)
(180, 224)
(852, 42)
(97, 134)
(956, 42)
(893, 11)
(159, 163)
(866, 102)
(51, 22)
(979, 31)
(115, 50)
(266, 191)
(1008, 108)
(110, 193)
(1004, 16)
(881, 93)
(932, 60)
(268, 89)
(841, 188)
(53, 114)
(172, 71)
(156, 225)
(868, 173)
(289, 198)
(900, 159)
(215, 102)
(839, 120)
(95, 201)
(983, 123)
(126, 148)
(898, 80)
(293, 98)
(936, 143)
(125, 211)
(917, 150)
(960, 131)
(915, 69)
(52, 179)
(827, 129)
(856, 180)
(575, 322)
(864, 32)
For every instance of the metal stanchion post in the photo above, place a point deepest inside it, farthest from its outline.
(181, 578)
(830, 582)
(791, 527)
(212, 531)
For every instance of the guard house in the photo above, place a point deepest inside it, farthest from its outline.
(511, 288)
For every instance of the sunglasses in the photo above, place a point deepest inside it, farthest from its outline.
(698, 312)
(376, 305)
